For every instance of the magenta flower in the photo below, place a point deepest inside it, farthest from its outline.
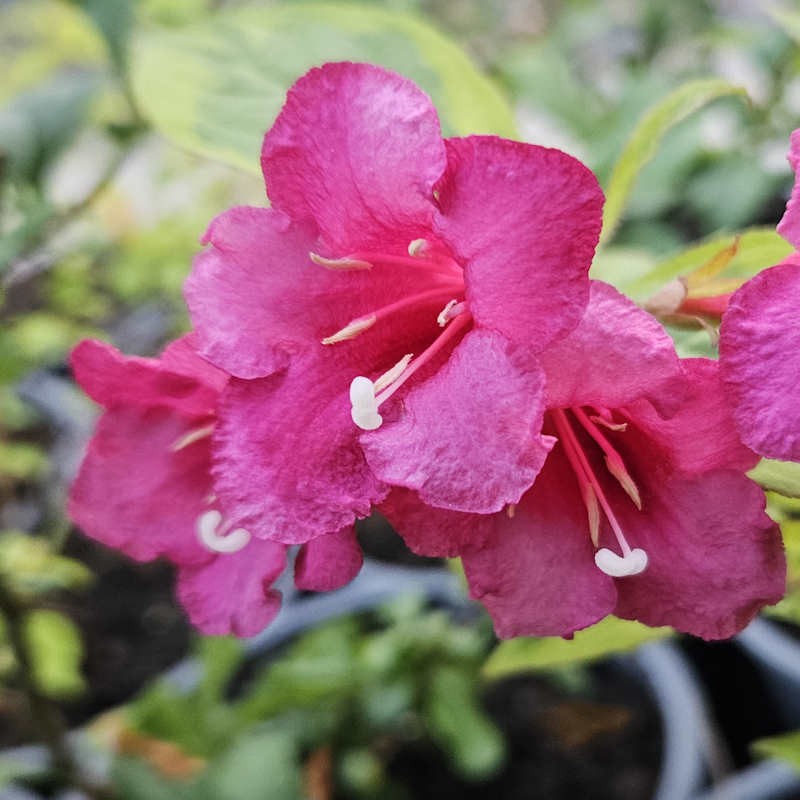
(760, 345)
(145, 488)
(642, 508)
(381, 320)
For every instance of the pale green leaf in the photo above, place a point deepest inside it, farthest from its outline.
(215, 87)
(758, 249)
(56, 652)
(608, 637)
(788, 20)
(29, 566)
(647, 135)
(785, 747)
(782, 477)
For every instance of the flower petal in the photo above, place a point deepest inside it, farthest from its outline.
(789, 226)
(113, 379)
(617, 353)
(135, 493)
(287, 463)
(714, 557)
(328, 562)
(232, 593)
(699, 437)
(467, 438)
(357, 149)
(524, 222)
(436, 532)
(537, 576)
(760, 360)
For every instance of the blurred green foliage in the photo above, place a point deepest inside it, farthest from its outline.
(359, 688)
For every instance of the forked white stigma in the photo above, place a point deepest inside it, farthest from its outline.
(208, 532)
(364, 409)
(632, 563)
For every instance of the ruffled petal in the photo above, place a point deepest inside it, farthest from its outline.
(537, 575)
(760, 360)
(468, 438)
(232, 594)
(181, 356)
(699, 437)
(328, 562)
(113, 379)
(435, 532)
(136, 493)
(617, 354)
(789, 226)
(524, 222)
(357, 149)
(287, 463)
(714, 557)
(257, 300)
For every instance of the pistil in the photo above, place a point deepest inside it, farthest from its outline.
(213, 534)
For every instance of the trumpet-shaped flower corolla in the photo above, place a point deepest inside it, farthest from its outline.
(145, 488)
(382, 319)
(642, 508)
(760, 345)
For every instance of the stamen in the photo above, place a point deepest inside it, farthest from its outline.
(418, 247)
(193, 436)
(451, 311)
(391, 375)
(214, 537)
(511, 510)
(360, 324)
(593, 511)
(364, 405)
(351, 330)
(632, 561)
(614, 462)
(422, 258)
(602, 416)
(345, 263)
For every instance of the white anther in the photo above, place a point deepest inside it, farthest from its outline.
(444, 314)
(351, 330)
(632, 563)
(210, 535)
(193, 436)
(391, 375)
(364, 409)
(339, 263)
(417, 247)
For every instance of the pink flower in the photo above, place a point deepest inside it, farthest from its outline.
(760, 345)
(145, 488)
(642, 508)
(382, 319)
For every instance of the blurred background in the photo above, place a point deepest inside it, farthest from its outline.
(125, 126)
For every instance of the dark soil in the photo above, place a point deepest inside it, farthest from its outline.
(132, 630)
(603, 743)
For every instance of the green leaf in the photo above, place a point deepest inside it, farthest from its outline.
(29, 566)
(457, 722)
(785, 747)
(608, 637)
(254, 762)
(21, 460)
(135, 780)
(646, 137)
(220, 656)
(782, 477)
(758, 249)
(788, 20)
(215, 87)
(56, 652)
(114, 20)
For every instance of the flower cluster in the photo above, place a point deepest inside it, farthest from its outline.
(411, 327)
